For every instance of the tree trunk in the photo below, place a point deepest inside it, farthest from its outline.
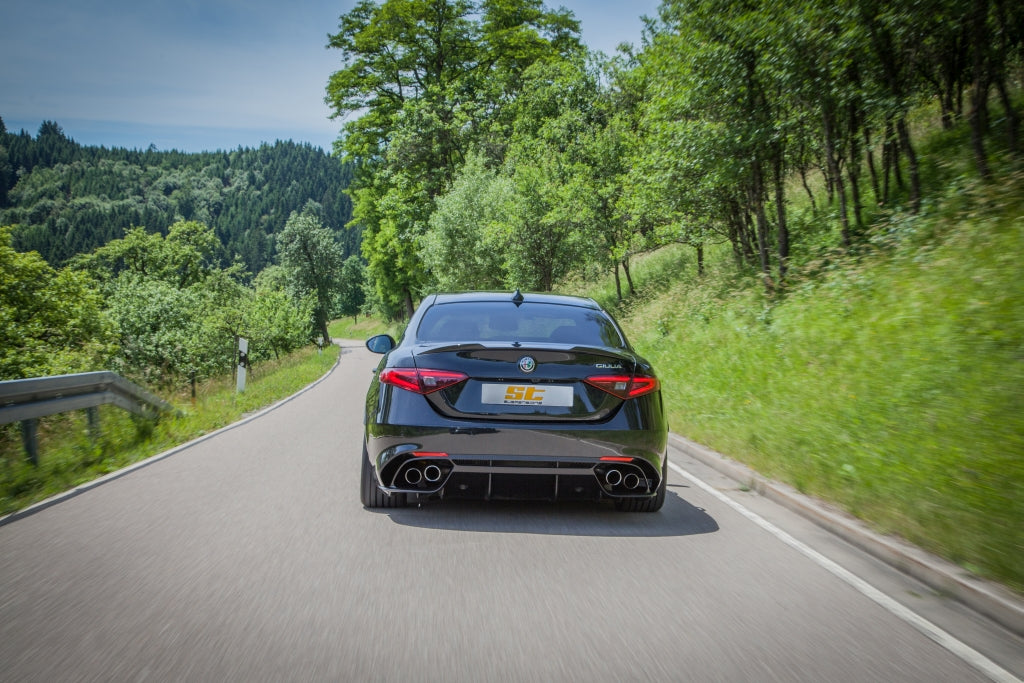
(734, 238)
(409, 310)
(780, 213)
(978, 116)
(835, 172)
(853, 131)
(975, 117)
(912, 165)
(802, 169)
(952, 72)
(748, 244)
(960, 100)
(807, 189)
(700, 260)
(618, 282)
(891, 160)
(756, 193)
(946, 106)
(1012, 118)
(871, 165)
(853, 171)
(629, 276)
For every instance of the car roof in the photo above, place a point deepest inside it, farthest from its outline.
(528, 297)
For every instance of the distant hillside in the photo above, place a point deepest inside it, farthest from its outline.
(65, 198)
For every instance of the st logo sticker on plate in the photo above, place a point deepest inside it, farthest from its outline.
(526, 395)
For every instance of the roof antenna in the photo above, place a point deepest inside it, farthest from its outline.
(517, 298)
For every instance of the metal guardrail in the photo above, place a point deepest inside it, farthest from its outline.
(26, 400)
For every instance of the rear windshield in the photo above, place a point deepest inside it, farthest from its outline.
(502, 321)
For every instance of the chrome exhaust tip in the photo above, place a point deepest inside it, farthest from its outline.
(631, 480)
(613, 477)
(432, 473)
(413, 476)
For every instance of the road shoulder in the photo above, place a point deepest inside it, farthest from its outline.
(985, 597)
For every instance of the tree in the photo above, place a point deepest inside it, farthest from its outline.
(554, 228)
(352, 292)
(464, 248)
(273, 321)
(690, 172)
(51, 322)
(313, 259)
(178, 314)
(429, 79)
(185, 257)
(162, 330)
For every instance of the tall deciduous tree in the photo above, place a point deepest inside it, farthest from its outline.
(465, 249)
(555, 164)
(351, 289)
(313, 259)
(428, 79)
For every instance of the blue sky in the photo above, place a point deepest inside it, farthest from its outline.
(194, 75)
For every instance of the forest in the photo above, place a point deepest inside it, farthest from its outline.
(154, 263)
(67, 199)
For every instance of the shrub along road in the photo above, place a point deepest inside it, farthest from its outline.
(247, 556)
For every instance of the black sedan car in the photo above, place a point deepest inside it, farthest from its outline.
(512, 396)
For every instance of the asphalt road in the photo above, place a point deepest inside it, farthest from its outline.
(248, 557)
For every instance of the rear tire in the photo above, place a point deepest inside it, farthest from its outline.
(652, 504)
(370, 494)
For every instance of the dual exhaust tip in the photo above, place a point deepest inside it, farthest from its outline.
(615, 478)
(429, 474)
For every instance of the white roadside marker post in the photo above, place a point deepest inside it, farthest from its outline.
(243, 360)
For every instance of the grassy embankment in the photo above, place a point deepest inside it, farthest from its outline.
(362, 328)
(69, 456)
(890, 382)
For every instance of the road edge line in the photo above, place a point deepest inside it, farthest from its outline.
(955, 646)
(984, 597)
(128, 469)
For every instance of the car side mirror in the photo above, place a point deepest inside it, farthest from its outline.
(382, 343)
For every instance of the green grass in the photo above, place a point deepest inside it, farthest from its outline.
(891, 382)
(362, 329)
(69, 456)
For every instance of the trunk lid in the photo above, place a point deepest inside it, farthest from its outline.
(536, 382)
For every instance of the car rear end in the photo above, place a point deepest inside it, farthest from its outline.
(541, 398)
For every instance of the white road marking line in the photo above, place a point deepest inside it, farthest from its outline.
(957, 647)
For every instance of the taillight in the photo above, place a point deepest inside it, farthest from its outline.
(624, 386)
(421, 381)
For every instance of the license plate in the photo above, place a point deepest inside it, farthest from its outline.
(526, 395)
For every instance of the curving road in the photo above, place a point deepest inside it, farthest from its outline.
(247, 557)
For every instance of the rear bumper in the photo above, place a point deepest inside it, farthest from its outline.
(498, 459)
(544, 466)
